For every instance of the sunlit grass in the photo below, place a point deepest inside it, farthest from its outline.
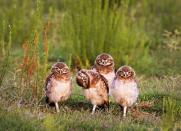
(76, 112)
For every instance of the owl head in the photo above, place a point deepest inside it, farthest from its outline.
(125, 72)
(104, 60)
(82, 78)
(60, 68)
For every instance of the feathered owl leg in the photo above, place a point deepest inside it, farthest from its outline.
(57, 107)
(93, 109)
(124, 111)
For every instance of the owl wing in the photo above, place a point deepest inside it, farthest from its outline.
(136, 81)
(71, 84)
(113, 83)
(102, 89)
(48, 83)
(136, 87)
(105, 82)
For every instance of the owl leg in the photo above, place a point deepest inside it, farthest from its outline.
(106, 105)
(57, 107)
(124, 111)
(93, 109)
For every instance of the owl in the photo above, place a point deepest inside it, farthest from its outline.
(95, 87)
(104, 64)
(58, 85)
(125, 89)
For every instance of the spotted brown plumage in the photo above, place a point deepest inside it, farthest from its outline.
(83, 81)
(105, 82)
(58, 85)
(125, 89)
(95, 87)
(104, 65)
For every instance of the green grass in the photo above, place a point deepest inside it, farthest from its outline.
(75, 114)
(17, 121)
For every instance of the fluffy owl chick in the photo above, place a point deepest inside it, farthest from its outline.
(104, 64)
(95, 87)
(125, 91)
(58, 85)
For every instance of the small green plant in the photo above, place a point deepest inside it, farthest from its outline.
(49, 123)
(6, 55)
(169, 113)
(167, 54)
(172, 40)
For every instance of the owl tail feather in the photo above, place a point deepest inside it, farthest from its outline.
(49, 103)
(106, 105)
(46, 99)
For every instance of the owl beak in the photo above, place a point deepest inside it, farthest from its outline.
(104, 62)
(126, 74)
(84, 84)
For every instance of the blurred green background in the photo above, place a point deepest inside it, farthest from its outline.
(144, 34)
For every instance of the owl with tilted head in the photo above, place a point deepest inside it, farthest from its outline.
(95, 87)
(104, 64)
(58, 85)
(125, 89)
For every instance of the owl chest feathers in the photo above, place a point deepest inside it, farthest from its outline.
(125, 92)
(58, 90)
(109, 77)
(97, 93)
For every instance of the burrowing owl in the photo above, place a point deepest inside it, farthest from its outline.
(104, 64)
(58, 85)
(95, 87)
(125, 90)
